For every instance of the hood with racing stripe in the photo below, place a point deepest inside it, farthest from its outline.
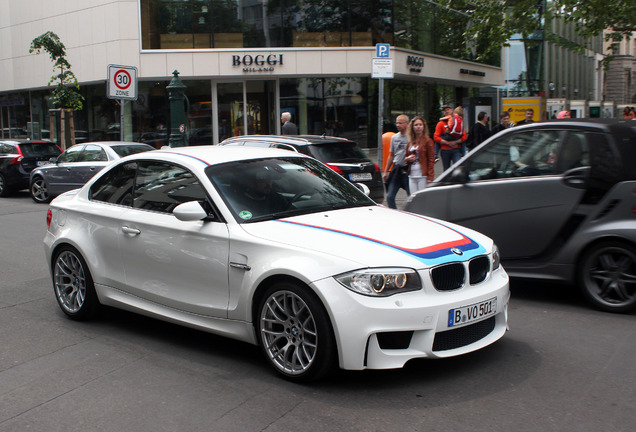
(376, 236)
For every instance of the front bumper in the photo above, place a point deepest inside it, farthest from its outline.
(385, 333)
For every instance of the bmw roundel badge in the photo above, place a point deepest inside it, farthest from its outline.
(457, 251)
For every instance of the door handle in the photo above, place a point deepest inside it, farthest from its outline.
(130, 231)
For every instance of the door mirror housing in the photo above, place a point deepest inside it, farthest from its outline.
(190, 211)
(457, 176)
(364, 188)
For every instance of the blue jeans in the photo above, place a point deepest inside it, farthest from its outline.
(398, 179)
(450, 156)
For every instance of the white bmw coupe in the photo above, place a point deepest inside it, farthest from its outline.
(275, 249)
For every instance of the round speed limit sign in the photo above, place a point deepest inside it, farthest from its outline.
(122, 79)
(122, 82)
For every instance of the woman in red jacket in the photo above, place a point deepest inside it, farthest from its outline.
(420, 155)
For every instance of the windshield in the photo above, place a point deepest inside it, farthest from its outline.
(34, 149)
(265, 189)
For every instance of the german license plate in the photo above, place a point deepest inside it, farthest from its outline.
(361, 177)
(471, 313)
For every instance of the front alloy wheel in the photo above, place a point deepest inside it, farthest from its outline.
(38, 191)
(608, 276)
(295, 333)
(73, 284)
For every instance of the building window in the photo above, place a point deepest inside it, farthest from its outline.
(198, 24)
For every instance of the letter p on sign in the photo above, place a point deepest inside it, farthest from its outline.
(382, 50)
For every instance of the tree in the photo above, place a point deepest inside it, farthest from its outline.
(495, 21)
(66, 93)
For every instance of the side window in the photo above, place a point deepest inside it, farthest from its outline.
(7, 149)
(523, 154)
(161, 187)
(93, 153)
(71, 155)
(116, 186)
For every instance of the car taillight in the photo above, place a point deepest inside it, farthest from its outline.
(336, 169)
(16, 160)
(49, 216)
(377, 168)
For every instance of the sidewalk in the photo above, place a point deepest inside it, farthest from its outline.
(401, 196)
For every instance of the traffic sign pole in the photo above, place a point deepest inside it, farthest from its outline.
(382, 67)
(122, 86)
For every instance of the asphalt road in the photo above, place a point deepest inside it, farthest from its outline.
(561, 367)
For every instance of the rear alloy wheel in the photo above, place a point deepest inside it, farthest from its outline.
(295, 333)
(4, 191)
(38, 191)
(73, 284)
(608, 276)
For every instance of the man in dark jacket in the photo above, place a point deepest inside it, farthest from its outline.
(479, 132)
(288, 127)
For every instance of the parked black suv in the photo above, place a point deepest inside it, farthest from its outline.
(340, 154)
(18, 158)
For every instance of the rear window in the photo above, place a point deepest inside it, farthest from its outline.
(34, 149)
(125, 150)
(338, 152)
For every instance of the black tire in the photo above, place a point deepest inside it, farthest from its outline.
(38, 191)
(73, 284)
(4, 189)
(607, 275)
(295, 333)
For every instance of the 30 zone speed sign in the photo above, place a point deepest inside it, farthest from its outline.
(122, 82)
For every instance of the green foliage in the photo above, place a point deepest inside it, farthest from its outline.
(493, 22)
(66, 93)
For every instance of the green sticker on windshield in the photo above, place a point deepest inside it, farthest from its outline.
(245, 214)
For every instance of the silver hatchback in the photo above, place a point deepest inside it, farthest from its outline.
(558, 198)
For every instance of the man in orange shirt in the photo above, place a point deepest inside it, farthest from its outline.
(450, 151)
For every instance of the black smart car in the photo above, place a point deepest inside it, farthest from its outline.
(340, 154)
(18, 158)
(558, 198)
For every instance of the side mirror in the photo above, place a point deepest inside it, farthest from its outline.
(190, 211)
(364, 188)
(457, 176)
(53, 159)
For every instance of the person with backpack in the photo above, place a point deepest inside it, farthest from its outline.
(450, 137)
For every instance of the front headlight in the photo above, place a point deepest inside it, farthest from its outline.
(381, 282)
(496, 258)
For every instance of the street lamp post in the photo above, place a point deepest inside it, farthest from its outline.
(178, 111)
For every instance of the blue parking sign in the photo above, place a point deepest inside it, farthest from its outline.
(382, 50)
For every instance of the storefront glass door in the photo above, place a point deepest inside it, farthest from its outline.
(246, 108)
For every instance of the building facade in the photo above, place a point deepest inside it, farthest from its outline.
(243, 62)
(620, 78)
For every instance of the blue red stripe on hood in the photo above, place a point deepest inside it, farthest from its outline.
(431, 255)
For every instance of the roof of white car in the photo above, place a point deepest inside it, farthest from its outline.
(212, 155)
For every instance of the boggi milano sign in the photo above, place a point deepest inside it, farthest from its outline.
(257, 62)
